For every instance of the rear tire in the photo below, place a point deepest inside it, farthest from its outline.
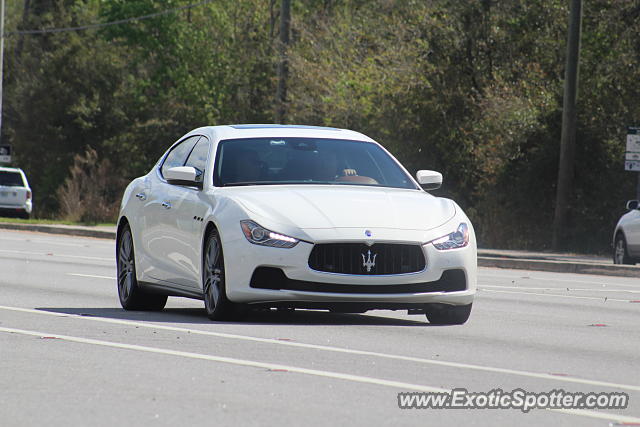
(129, 292)
(445, 314)
(620, 251)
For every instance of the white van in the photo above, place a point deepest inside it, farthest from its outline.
(15, 193)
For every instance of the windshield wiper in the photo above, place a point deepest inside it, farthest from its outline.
(245, 183)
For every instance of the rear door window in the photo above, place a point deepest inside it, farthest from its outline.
(11, 179)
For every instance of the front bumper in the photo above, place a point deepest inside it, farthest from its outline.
(243, 258)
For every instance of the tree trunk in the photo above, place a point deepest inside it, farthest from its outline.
(23, 26)
(568, 141)
(283, 65)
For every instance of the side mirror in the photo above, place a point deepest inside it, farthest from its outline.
(429, 180)
(184, 175)
(633, 205)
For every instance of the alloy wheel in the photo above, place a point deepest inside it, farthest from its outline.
(619, 251)
(126, 266)
(215, 300)
(132, 297)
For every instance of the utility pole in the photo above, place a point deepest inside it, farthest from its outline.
(1, 60)
(568, 139)
(283, 65)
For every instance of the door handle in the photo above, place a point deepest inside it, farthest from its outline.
(166, 205)
(141, 196)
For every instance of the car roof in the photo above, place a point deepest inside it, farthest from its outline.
(8, 169)
(239, 131)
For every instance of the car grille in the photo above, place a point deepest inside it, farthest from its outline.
(361, 259)
(275, 279)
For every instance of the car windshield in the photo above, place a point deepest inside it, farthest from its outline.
(270, 161)
(11, 179)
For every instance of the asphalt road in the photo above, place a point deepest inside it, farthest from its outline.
(69, 355)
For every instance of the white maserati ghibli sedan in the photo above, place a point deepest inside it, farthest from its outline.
(283, 216)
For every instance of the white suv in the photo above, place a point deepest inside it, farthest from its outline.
(15, 193)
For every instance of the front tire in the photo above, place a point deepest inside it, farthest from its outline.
(620, 251)
(129, 292)
(445, 314)
(216, 303)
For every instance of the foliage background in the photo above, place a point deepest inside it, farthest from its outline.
(472, 89)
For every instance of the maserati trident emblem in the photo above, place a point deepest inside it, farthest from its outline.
(368, 262)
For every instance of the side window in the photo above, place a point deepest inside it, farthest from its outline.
(199, 154)
(178, 156)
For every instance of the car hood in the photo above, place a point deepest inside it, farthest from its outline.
(331, 206)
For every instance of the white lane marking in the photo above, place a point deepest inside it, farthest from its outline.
(48, 254)
(555, 279)
(91, 276)
(600, 415)
(233, 361)
(334, 349)
(296, 369)
(603, 286)
(558, 289)
(51, 242)
(555, 295)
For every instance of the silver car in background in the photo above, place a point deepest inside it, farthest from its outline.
(626, 236)
(15, 193)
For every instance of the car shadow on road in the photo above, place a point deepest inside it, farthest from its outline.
(257, 317)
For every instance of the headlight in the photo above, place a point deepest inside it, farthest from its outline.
(259, 235)
(457, 239)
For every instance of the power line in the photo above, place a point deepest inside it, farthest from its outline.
(108, 24)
